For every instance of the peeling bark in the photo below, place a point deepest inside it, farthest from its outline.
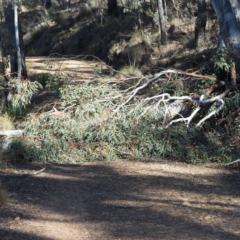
(233, 77)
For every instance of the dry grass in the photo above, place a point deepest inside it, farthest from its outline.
(6, 122)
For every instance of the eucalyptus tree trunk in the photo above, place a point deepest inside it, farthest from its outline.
(236, 8)
(16, 25)
(227, 12)
(162, 25)
(13, 25)
(200, 25)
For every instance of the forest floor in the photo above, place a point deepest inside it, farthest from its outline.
(121, 200)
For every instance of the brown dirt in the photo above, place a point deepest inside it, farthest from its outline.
(121, 200)
(69, 69)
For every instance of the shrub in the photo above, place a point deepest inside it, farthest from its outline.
(6, 122)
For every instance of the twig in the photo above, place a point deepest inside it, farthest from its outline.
(69, 107)
(37, 172)
(125, 153)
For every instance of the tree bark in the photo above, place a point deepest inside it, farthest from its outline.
(9, 19)
(200, 25)
(16, 25)
(236, 8)
(229, 35)
(162, 30)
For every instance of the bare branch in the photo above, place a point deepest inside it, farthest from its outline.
(231, 163)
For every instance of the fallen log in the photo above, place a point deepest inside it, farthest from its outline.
(4, 143)
(11, 133)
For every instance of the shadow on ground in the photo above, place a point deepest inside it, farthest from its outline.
(123, 200)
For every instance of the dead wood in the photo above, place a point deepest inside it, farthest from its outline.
(196, 75)
(11, 133)
(231, 163)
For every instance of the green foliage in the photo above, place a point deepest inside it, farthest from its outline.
(24, 92)
(173, 87)
(130, 71)
(223, 60)
(42, 78)
(90, 131)
(131, 5)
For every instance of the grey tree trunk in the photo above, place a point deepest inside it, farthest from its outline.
(16, 25)
(8, 6)
(200, 25)
(162, 25)
(227, 12)
(236, 8)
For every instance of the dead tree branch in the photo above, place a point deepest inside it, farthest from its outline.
(169, 106)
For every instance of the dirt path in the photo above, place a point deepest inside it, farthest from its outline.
(72, 69)
(122, 200)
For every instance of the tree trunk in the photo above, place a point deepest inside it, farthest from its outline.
(236, 8)
(229, 35)
(13, 47)
(227, 12)
(112, 8)
(16, 25)
(163, 31)
(68, 4)
(200, 24)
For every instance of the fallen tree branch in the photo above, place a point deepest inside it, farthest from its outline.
(157, 76)
(198, 76)
(231, 163)
(37, 172)
(200, 102)
(11, 133)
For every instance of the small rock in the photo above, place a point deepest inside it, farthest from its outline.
(208, 217)
(185, 203)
